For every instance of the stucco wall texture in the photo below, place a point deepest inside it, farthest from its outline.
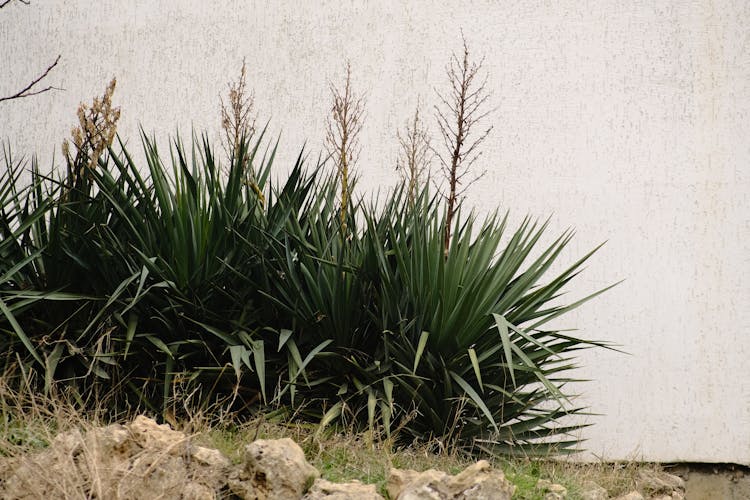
(628, 120)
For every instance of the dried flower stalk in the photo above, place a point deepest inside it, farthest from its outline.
(96, 129)
(237, 119)
(414, 159)
(460, 112)
(238, 122)
(342, 135)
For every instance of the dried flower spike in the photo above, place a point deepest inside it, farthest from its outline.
(238, 123)
(461, 110)
(342, 135)
(414, 159)
(96, 129)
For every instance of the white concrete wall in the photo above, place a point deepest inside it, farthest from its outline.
(627, 120)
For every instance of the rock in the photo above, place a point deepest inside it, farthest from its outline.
(209, 456)
(478, 481)
(633, 495)
(113, 436)
(149, 434)
(139, 460)
(659, 483)
(554, 491)
(558, 489)
(676, 495)
(241, 487)
(354, 490)
(592, 491)
(143, 460)
(543, 484)
(277, 469)
(406, 483)
(196, 491)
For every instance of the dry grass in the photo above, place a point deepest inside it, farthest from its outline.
(617, 478)
(345, 456)
(29, 422)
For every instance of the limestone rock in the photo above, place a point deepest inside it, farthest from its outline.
(659, 483)
(558, 489)
(399, 479)
(149, 434)
(139, 460)
(676, 495)
(209, 456)
(478, 481)
(543, 484)
(241, 486)
(633, 495)
(354, 490)
(196, 491)
(553, 491)
(277, 469)
(592, 491)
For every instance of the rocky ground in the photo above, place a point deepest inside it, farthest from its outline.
(144, 460)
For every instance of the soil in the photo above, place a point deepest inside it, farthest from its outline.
(714, 481)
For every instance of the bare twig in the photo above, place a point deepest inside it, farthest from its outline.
(457, 115)
(26, 91)
(342, 135)
(414, 159)
(6, 2)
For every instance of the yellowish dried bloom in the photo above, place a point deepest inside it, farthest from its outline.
(96, 129)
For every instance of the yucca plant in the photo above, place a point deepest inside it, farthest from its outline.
(385, 327)
(315, 287)
(185, 276)
(148, 263)
(53, 295)
(39, 308)
(177, 231)
(469, 328)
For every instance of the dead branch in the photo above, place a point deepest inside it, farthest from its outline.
(27, 92)
(457, 115)
(6, 2)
